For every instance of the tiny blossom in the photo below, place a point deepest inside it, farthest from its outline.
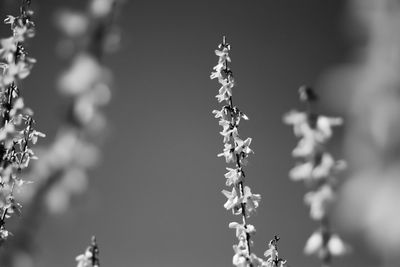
(241, 229)
(319, 201)
(313, 171)
(223, 113)
(320, 127)
(233, 176)
(84, 72)
(228, 130)
(101, 8)
(73, 24)
(251, 200)
(233, 199)
(90, 258)
(335, 246)
(314, 243)
(272, 255)
(240, 257)
(228, 153)
(84, 260)
(243, 146)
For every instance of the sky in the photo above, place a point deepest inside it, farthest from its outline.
(155, 198)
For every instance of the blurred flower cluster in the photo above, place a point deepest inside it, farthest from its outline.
(240, 199)
(86, 84)
(63, 169)
(17, 133)
(317, 168)
(366, 88)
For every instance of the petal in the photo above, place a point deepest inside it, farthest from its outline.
(313, 244)
(336, 246)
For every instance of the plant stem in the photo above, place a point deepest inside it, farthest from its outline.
(238, 164)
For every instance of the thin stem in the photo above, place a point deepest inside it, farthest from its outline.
(326, 235)
(238, 164)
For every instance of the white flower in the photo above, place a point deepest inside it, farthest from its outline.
(228, 130)
(315, 171)
(319, 201)
(306, 147)
(101, 8)
(335, 246)
(225, 91)
(72, 23)
(233, 176)
(223, 55)
(297, 119)
(242, 230)
(314, 243)
(239, 259)
(34, 136)
(81, 76)
(324, 125)
(233, 199)
(228, 153)
(243, 146)
(301, 171)
(251, 200)
(222, 114)
(8, 45)
(84, 260)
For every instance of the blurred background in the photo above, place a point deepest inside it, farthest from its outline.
(154, 198)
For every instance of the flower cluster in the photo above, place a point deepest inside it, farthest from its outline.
(62, 172)
(317, 169)
(17, 132)
(90, 258)
(236, 150)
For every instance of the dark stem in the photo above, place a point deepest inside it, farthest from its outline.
(238, 164)
(326, 257)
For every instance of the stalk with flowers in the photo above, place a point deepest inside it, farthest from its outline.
(86, 83)
(17, 132)
(317, 169)
(240, 199)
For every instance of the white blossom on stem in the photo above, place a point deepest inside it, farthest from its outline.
(240, 199)
(17, 133)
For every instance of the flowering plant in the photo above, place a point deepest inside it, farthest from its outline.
(17, 132)
(86, 83)
(236, 150)
(317, 169)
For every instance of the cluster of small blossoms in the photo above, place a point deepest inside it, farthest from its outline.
(317, 169)
(240, 199)
(62, 172)
(90, 258)
(17, 133)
